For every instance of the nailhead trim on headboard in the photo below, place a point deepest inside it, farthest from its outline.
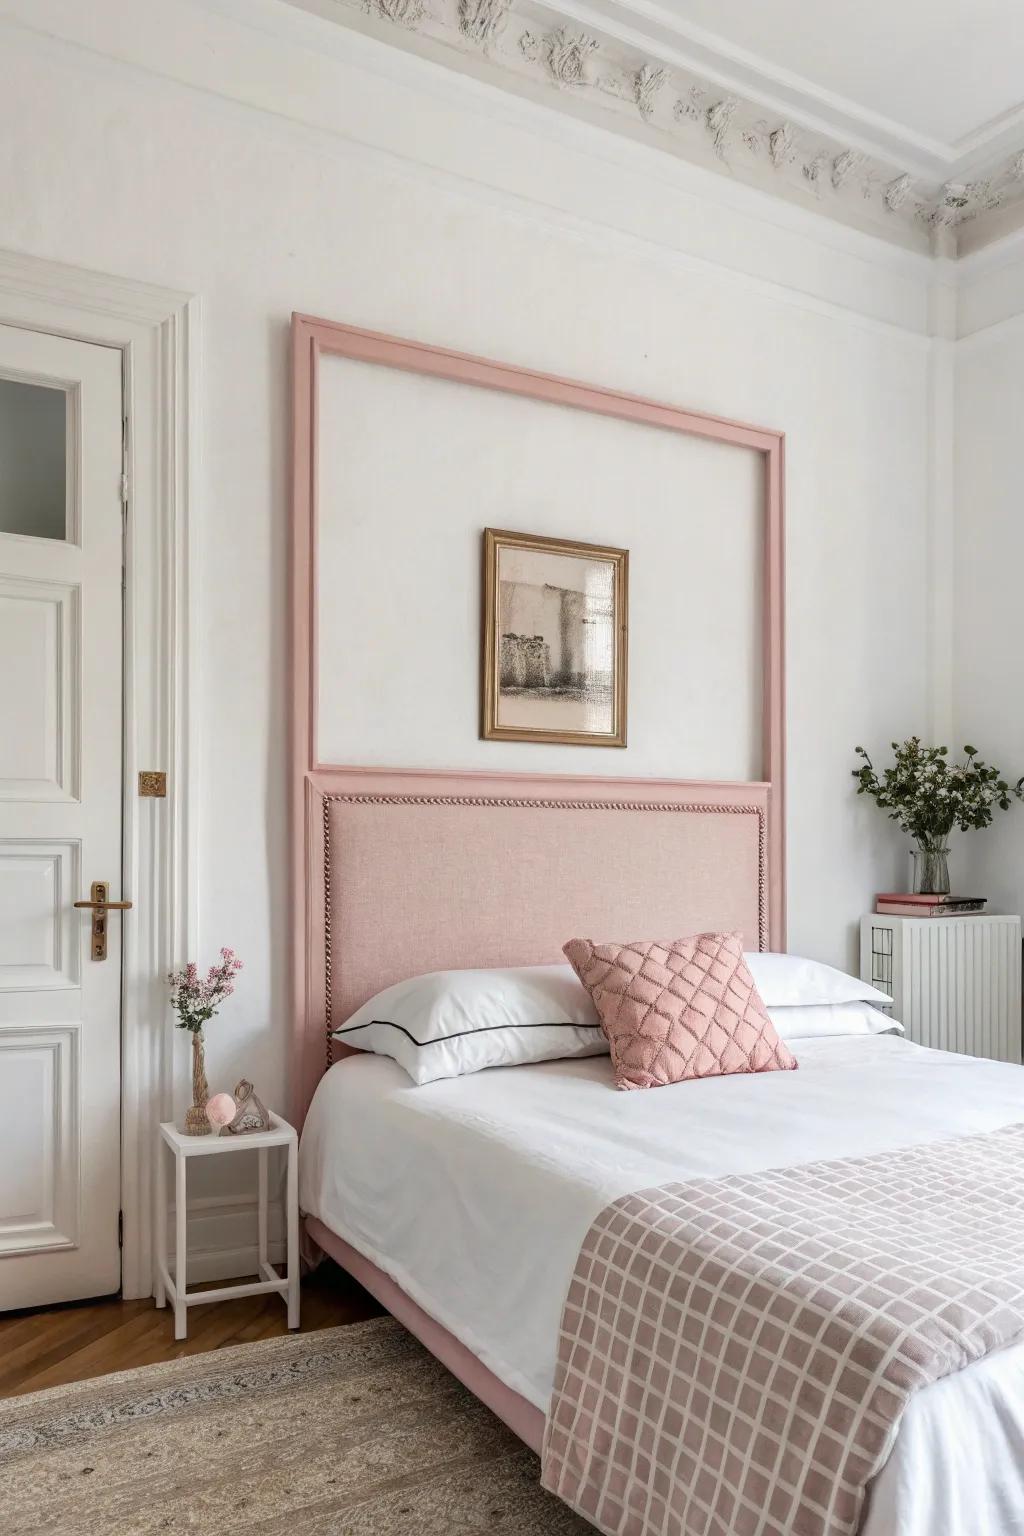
(527, 803)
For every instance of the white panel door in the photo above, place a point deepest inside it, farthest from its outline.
(60, 816)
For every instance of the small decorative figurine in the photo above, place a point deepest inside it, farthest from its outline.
(220, 1111)
(251, 1112)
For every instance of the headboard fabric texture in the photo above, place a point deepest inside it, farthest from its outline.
(400, 872)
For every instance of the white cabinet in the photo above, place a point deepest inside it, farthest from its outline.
(955, 981)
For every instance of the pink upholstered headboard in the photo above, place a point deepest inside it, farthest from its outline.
(400, 872)
(416, 872)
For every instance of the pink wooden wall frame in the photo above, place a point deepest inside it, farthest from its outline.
(314, 780)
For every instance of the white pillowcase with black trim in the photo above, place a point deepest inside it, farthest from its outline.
(450, 1023)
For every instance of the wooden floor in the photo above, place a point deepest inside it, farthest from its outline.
(54, 1345)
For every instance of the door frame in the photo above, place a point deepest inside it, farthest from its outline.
(157, 332)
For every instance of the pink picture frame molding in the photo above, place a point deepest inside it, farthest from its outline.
(316, 785)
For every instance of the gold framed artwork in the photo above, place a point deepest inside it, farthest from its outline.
(554, 640)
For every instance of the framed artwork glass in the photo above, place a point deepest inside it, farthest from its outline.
(554, 640)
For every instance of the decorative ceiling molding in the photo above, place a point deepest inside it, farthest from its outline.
(525, 45)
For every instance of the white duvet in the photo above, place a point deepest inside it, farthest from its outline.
(475, 1194)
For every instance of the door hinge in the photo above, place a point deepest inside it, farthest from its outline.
(124, 487)
(120, 1229)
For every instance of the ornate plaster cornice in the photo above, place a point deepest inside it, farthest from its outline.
(525, 45)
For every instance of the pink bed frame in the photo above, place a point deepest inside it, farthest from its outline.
(511, 1407)
(396, 872)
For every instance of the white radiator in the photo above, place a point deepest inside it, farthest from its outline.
(955, 981)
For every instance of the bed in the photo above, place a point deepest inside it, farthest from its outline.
(469, 1207)
(512, 1165)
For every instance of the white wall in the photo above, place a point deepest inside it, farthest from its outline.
(381, 191)
(412, 469)
(988, 675)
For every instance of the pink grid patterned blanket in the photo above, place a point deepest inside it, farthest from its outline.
(735, 1354)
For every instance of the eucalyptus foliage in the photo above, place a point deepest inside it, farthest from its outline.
(928, 795)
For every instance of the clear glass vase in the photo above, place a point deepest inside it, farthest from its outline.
(931, 869)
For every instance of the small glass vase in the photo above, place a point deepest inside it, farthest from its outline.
(931, 869)
(196, 1121)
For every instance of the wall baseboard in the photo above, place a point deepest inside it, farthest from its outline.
(221, 1234)
(207, 1264)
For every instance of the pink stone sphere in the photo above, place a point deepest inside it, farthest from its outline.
(221, 1110)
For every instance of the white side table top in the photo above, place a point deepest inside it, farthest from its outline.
(279, 1135)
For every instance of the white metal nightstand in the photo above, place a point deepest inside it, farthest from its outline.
(175, 1289)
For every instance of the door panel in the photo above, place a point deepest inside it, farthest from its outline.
(40, 691)
(60, 816)
(38, 929)
(40, 1190)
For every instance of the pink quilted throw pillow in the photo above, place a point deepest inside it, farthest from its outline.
(680, 1009)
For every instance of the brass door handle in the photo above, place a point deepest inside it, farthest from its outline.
(99, 906)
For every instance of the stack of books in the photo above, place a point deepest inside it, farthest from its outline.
(902, 904)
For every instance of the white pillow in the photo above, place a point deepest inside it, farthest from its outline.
(453, 1022)
(787, 981)
(817, 1019)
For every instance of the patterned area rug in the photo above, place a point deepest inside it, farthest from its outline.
(353, 1431)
